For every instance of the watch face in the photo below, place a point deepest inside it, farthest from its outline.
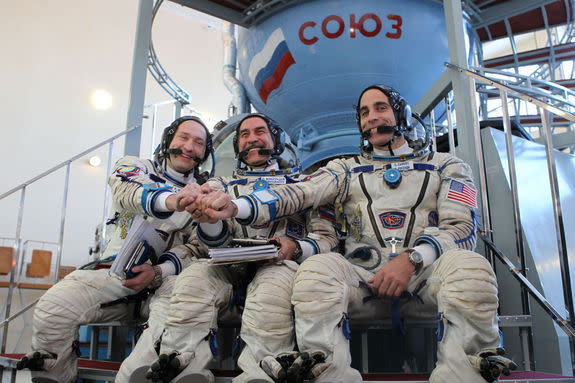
(415, 257)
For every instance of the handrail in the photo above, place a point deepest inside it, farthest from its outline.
(517, 93)
(533, 92)
(544, 303)
(22, 311)
(68, 161)
(550, 84)
(568, 325)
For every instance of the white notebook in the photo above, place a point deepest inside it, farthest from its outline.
(242, 254)
(141, 230)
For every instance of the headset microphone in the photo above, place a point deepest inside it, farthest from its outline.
(380, 129)
(261, 152)
(176, 151)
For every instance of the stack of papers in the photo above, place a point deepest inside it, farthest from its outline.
(140, 231)
(242, 254)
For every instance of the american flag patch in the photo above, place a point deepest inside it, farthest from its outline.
(460, 192)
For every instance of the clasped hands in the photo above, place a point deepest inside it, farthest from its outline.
(203, 203)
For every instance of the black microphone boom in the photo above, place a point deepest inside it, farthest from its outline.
(176, 151)
(380, 129)
(261, 152)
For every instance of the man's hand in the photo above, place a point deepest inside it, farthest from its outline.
(185, 197)
(392, 279)
(287, 248)
(142, 280)
(213, 207)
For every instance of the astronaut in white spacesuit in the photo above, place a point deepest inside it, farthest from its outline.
(409, 214)
(158, 190)
(203, 292)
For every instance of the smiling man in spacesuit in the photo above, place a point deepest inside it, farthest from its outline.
(203, 292)
(158, 190)
(410, 216)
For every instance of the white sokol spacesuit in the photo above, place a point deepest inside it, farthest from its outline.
(82, 297)
(428, 203)
(203, 292)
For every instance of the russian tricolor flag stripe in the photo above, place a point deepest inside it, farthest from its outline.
(269, 66)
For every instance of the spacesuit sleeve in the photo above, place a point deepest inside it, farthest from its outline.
(323, 187)
(456, 204)
(135, 186)
(182, 256)
(321, 232)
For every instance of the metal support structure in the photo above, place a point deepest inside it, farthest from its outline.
(513, 182)
(450, 134)
(138, 79)
(103, 231)
(240, 102)
(20, 312)
(466, 113)
(566, 324)
(558, 216)
(525, 336)
(62, 223)
(177, 110)
(18, 246)
(17, 254)
(551, 44)
(432, 128)
(563, 323)
(153, 132)
(519, 93)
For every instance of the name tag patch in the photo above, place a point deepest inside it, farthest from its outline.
(275, 180)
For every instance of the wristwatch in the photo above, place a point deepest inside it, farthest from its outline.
(298, 251)
(157, 281)
(416, 260)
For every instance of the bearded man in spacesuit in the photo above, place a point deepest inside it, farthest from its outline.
(203, 292)
(158, 190)
(410, 217)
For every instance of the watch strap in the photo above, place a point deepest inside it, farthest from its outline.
(157, 281)
(418, 265)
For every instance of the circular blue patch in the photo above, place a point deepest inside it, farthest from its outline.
(392, 178)
(261, 185)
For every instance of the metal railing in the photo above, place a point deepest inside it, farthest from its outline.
(18, 246)
(505, 90)
(545, 105)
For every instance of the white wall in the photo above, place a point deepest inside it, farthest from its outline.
(54, 53)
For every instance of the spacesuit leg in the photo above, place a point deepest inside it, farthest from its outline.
(72, 302)
(135, 366)
(324, 286)
(267, 320)
(464, 288)
(188, 341)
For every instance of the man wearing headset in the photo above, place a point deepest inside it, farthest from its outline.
(411, 222)
(204, 292)
(157, 190)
